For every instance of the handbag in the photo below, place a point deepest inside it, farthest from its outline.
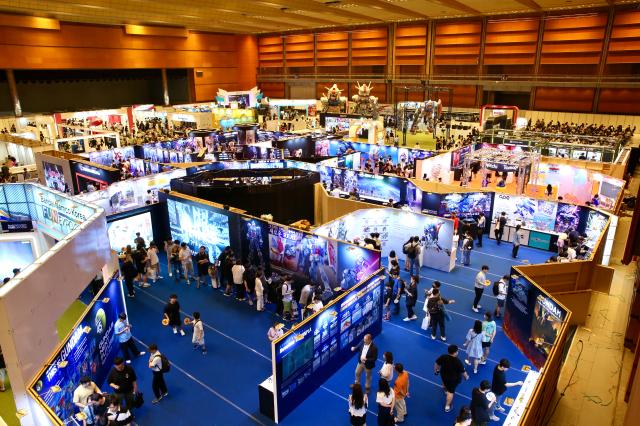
(138, 400)
(425, 322)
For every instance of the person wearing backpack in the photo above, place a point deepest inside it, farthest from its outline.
(412, 251)
(158, 364)
(500, 291)
(435, 304)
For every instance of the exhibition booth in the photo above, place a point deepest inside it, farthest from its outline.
(65, 232)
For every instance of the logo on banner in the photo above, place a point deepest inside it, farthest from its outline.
(100, 321)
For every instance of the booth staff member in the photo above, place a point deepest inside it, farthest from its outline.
(500, 224)
(85, 389)
(481, 225)
(499, 385)
(366, 360)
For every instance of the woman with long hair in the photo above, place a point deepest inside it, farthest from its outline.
(473, 343)
(386, 400)
(358, 403)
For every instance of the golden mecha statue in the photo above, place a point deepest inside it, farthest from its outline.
(332, 101)
(364, 103)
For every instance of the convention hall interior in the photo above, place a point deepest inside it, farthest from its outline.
(319, 212)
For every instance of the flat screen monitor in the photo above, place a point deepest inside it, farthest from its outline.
(122, 232)
(14, 254)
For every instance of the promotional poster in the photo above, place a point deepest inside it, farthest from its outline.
(255, 242)
(465, 204)
(198, 225)
(320, 346)
(414, 198)
(58, 215)
(596, 222)
(88, 351)
(54, 177)
(531, 319)
(568, 218)
(14, 254)
(457, 157)
(536, 214)
(355, 263)
(380, 187)
(122, 232)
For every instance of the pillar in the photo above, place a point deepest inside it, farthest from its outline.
(13, 91)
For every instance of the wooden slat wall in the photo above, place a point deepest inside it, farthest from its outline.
(511, 42)
(413, 96)
(463, 96)
(299, 50)
(273, 90)
(369, 47)
(457, 43)
(411, 45)
(564, 99)
(573, 39)
(379, 90)
(270, 52)
(619, 101)
(624, 46)
(332, 49)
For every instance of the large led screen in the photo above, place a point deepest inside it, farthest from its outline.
(568, 218)
(355, 263)
(536, 214)
(198, 225)
(14, 254)
(122, 232)
(88, 351)
(54, 176)
(466, 204)
(319, 347)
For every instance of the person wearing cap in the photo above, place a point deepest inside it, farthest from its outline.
(275, 331)
(85, 389)
(122, 329)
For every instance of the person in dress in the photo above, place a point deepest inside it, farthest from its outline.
(473, 344)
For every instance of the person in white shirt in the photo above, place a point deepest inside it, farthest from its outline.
(237, 271)
(198, 333)
(85, 389)
(275, 331)
(517, 240)
(154, 262)
(366, 360)
(478, 287)
(358, 403)
(502, 295)
(115, 413)
(287, 297)
(259, 290)
(304, 298)
(386, 401)
(185, 259)
(571, 253)
(155, 365)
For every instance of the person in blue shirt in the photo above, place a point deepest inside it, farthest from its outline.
(95, 410)
(127, 344)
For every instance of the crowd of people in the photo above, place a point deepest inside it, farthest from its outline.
(585, 129)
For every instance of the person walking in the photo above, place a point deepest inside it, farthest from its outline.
(123, 380)
(174, 259)
(168, 245)
(435, 309)
(411, 298)
(479, 284)
(473, 345)
(358, 403)
(499, 385)
(154, 262)
(488, 334)
(238, 279)
(398, 290)
(202, 264)
(451, 372)
(412, 250)
(157, 367)
(498, 231)
(129, 273)
(401, 391)
(385, 397)
(386, 372)
(172, 314)
(368, 354)
(517, 240)
(480, 404)
(198, 333)
(259, 288)
(122, 329)
(501, 296)
(186, 261)
(466, 247)
(482, 223)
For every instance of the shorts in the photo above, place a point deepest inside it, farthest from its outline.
(187, 266)
(500, 303)
(358, 421)
(450, 385)
(486, 344)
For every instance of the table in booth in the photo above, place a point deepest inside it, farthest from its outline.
(266, 394)
(531, 237)
(522, 400)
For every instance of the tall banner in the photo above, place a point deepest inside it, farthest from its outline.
(88, 351)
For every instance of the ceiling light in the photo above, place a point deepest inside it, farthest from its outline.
(189, 16)
(88, 6)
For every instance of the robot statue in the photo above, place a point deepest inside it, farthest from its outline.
(426, 117)
(332, 101)
(364, 103)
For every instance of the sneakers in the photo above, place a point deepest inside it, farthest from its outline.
(415, 317)
(466, 361)
(166, 394)
(250, 302)
(443, 338)
(131, 295)
(145, 285)
(128, 361)
(479, 306)
(406, 319)
(181, 332)
(156, 400)
(475, 309)
(482, 362)
(475, 371)
(447, 408)
(500, 409)
(142, 353)
(433, 337)
(495, 418)
(175, 331)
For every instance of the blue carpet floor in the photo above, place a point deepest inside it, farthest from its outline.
(221, 388)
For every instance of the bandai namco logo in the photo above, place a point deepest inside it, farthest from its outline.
(100, 321)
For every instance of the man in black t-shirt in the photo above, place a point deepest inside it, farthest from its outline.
(499, 384)
(451, 371)
(123, 381)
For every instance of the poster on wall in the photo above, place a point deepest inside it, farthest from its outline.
(198, 225)
(88, 351)
(466, 204)
(536, 214)
(58, 215)
(568, 218)
(318, 348)
(595, 224)
(355, 263)
(122, 232)
(532, 320)
(414, 198)
(380, 187)
(255, 242)
(54, 177)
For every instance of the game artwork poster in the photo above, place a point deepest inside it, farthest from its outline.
(88, 351)
(310, 255)
(532, 320)
(468, 204)
(355, 263)
(536, 214)
(255, 242)
(198, 225)
(54, 177)
(381, 187)
(414, 198)
(568, 218)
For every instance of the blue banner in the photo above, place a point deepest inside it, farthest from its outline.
(88, 351)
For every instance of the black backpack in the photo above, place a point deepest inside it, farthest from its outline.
(165, 365)
(496, 288)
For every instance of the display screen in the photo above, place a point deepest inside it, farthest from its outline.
(198, 225)
(535, 214)
(568, 217)
(54, 176)
(379, 187)
(596, 222)
(414, 198)
(457, 157)
(14, 254)
(88, 351)
(532, 319)
(466, 204)
(122, 232)
(255, 241)
(319, 347)
(355, 263)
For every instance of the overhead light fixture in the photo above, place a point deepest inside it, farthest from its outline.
(88, 6)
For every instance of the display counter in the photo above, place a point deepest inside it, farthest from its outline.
(531, 237)
(522, 400)
(265, 396)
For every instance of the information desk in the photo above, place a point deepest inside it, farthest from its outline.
(520, 403)
(265, 396)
